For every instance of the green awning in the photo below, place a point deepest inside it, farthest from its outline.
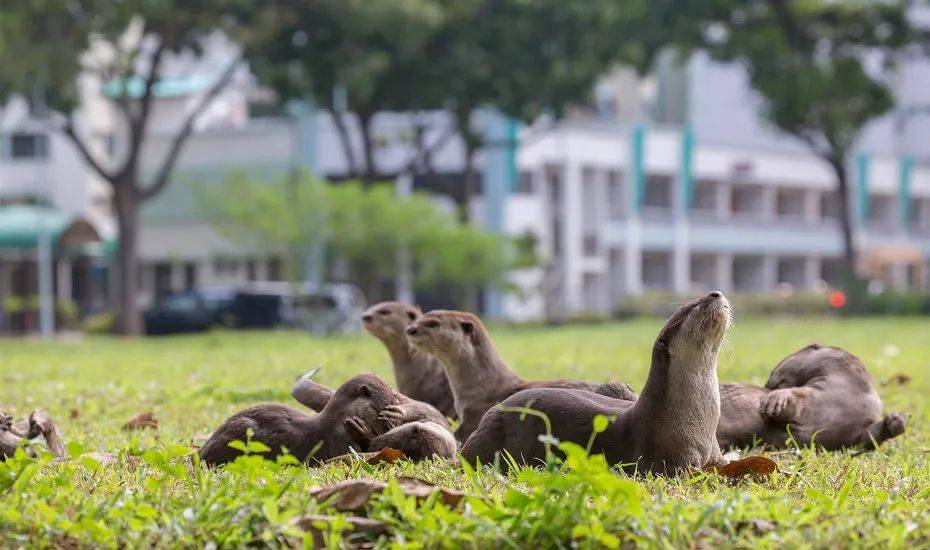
(21, 225)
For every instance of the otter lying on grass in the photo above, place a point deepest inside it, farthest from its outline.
(479, 377)
(12, 435)
(670, 428)
(819, 394)
(352, 419)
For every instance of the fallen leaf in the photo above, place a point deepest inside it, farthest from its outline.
(318, 524)
(751, 465)
(141, 421)
(386, 455)
(354, 494)
(897, 380)
(73, 414)
(758, 526)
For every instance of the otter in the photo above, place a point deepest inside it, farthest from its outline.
(670, 428)
(479, 377)
(402, 410)
(12, 435)
(306, 437)
(820, 394)
(419, 375)
(417, 440)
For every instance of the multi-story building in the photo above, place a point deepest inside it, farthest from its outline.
(673, 184)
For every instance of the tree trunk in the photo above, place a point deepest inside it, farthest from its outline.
(368, 153)
(469, 183)
(127, 213)
(850, 254)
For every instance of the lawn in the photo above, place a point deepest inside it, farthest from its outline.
(155, 496)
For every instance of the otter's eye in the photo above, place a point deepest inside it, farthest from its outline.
(384, 312)
(412, 315)
(432, 324)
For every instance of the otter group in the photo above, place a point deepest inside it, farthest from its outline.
(446, 365)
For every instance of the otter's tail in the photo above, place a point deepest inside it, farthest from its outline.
(310, 394)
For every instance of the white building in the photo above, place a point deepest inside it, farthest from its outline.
(611, 198)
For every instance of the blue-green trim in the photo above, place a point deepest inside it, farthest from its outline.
(905, 171)
(686, 170)
(513, 127)
(638, 172)
(862, 178)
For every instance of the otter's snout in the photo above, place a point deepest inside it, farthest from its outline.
(367, 318)
(412, 330)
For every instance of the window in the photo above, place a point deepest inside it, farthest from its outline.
(525, 183)
(830, 205)
(590, 244)
(27, 146)
(790, 203)
(615, 195)
(705, 196)
(190, 276)
(658, 192)
(225, 266)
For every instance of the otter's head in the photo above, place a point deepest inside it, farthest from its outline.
(448, 334)
(362, 396)
(815, 360)
(694, 333)
(387, 321)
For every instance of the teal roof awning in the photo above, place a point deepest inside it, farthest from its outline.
(166, 87)
(21, 225)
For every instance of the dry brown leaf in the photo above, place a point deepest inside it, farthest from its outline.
(318, 524)
(73, 414)
(354, 494)
(141, 421)
(386, 455)
(751, 465)
(897, 380)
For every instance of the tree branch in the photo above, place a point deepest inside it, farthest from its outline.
(426, 153)
(68, 130)
(138, 121)
(167, 166)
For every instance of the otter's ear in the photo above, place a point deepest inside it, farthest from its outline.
(364, 390)
(468, 327)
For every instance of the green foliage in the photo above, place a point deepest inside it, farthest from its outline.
(158, 495)
(366, 226)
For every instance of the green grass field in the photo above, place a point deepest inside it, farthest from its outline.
(92, 386)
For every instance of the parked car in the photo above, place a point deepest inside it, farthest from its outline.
(190, 311)
(322, 309)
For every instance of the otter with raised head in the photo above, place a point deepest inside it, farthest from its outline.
(419, 375)
(819, 394)
(306, 437)
(12, 435)
(401, 410)
(670, 428)
(478, 376)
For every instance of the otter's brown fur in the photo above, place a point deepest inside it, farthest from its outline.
(12, 435)
(401, 410)
(819, 394)
(306, 437)
(419, 375)
(417, 440)
(478, 376)
(671, 427)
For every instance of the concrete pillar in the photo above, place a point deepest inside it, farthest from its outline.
(64, 280)
(572, 235)
(811, 206)
(811, 271)
(724, 201)
(769, 273)
(177, 276)
(725, 272)
(769, 203)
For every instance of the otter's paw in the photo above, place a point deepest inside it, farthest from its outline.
(358, 428)
(391, 416)
(6, 422)
(776, 404)
(893, 425)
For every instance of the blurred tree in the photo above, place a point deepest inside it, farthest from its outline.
(364, 226)
(48, 45)
(816, 64)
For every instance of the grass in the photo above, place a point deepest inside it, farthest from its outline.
(155, 497)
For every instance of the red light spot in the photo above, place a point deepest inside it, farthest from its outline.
(837, 299)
